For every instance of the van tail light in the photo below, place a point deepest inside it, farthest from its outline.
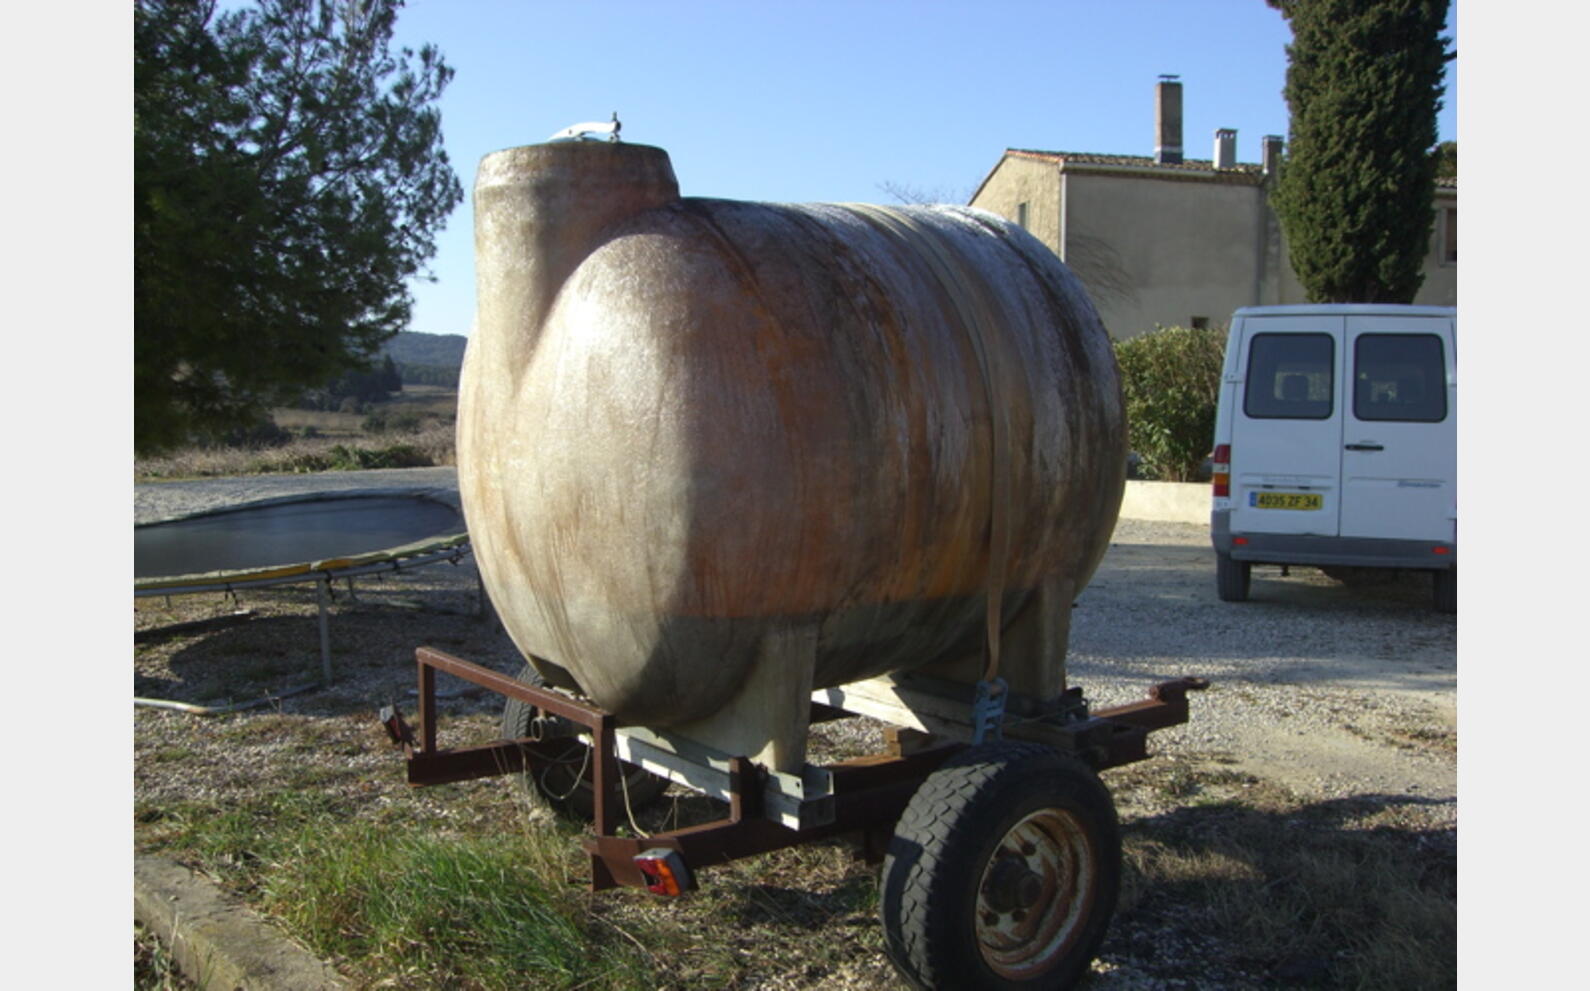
(1220, 471)
(664, 870)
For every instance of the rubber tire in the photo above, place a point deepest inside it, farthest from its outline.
(944, 840)
(557, 785)
(1445, 590)
(1232, 578)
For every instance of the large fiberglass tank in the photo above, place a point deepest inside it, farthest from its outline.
(700, 440)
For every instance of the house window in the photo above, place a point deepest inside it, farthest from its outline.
(1200, 323)
(1021, 215)
(1449, 241)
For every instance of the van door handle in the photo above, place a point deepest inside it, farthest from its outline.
(1366, 447)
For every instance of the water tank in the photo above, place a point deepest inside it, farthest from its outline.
(688, 425)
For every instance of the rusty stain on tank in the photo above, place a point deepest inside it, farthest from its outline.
(688, 425)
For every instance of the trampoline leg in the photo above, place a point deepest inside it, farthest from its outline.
(324, 588)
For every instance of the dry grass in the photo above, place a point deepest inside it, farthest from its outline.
(1273, 891)
(423, 437)
(432, 445)
(153, 968)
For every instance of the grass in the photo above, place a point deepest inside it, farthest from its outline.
(396, 902)
(1239, 885)
(1335, 894)
(414, 430)
(153, 967)
(404, 906)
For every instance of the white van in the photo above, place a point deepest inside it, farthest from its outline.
(1336, 443)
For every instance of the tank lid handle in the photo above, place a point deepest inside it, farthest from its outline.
(589, 130)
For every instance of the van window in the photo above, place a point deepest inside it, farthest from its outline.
(1399, 377)
(1291, 376)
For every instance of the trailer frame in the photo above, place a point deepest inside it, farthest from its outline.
(767, 810)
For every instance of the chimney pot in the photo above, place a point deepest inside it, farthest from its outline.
(1226, 148)
(1272, 154)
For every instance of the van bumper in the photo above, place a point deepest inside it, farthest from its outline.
(1364, 552)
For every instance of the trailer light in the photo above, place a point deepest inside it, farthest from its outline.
(1239, 541)
(664, 870)
(1440, 550)
(1220, 470)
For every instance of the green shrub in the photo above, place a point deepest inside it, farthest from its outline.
(344, 458)
(1171, 378)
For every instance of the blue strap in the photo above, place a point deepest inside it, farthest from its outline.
(988, 711)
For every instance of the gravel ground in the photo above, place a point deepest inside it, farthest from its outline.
(1326, 691)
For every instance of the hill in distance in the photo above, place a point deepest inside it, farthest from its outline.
(436, 350)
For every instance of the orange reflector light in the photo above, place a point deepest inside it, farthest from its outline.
(664, 870)
(1222, 482)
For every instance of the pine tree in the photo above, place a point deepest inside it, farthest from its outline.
(288, 180)
(1355, 195)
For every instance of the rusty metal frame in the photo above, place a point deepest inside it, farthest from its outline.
(869, 793)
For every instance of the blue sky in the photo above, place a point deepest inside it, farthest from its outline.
(824, 100)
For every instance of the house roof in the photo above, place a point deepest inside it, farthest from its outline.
(1135, 162)
(1131, 161)
(1193, 168)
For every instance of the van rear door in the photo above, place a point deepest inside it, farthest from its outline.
(1286, 426)
(1399, 450)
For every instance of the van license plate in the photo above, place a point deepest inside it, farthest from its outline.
(1286, 500)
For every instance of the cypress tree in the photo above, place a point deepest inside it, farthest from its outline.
(1355, 195)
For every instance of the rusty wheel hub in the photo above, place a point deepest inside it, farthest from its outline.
(1035, 894)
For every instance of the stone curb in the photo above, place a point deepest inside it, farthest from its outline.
(215, 941)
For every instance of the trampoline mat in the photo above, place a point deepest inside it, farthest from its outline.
(287, 532)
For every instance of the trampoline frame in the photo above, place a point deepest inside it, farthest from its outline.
(449, 549)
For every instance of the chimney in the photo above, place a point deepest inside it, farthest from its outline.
(1167, 118)
(1226, 148)
(1272, 155)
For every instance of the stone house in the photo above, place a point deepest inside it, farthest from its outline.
(1162, 240)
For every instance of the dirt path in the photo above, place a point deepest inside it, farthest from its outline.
(1329, 690)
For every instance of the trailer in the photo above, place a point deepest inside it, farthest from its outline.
(732, 468)
(1001, 855)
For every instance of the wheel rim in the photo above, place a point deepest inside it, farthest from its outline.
(1035, 894)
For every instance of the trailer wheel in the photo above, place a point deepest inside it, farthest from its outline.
(1445, 590)
(1003, 871)
(1232, 578)
(565, 780)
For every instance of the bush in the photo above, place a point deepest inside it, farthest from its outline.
(345, 458)
(1171, 378)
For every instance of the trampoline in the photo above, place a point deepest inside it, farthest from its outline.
(318, 537)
